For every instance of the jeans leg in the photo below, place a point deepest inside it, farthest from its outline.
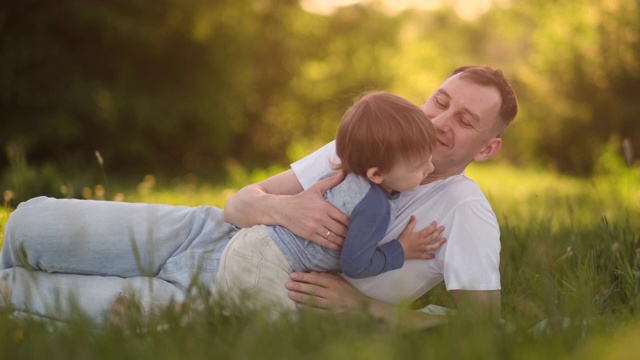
(96, 250)
(105, 238)
(60, 296)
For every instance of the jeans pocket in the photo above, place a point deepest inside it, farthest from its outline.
(245, 270)
(195, 261)
(189, 268)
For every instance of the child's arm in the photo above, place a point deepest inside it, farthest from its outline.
(361, 257)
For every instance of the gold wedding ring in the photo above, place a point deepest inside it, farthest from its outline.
(327, 236)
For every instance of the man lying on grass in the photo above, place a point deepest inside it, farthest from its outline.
(95, 251)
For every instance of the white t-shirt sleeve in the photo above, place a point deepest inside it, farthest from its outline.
(315, 166)
(472, 255)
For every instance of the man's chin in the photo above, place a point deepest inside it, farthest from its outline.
(438, 156)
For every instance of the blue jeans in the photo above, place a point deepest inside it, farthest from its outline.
(93, 251)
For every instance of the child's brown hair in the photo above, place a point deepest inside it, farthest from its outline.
(380, 128)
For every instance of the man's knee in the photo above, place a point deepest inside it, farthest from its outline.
(16, 233)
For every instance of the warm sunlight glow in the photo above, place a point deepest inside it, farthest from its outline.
(466, 9)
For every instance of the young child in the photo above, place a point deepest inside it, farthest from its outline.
(384, 144)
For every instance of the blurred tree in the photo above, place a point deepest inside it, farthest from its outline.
(180, 86)
(584, 73)
(348, 53)
(193, 86)
(132, 80)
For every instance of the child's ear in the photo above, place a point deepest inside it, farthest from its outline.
(375, 175)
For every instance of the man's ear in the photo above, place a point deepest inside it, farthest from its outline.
(491, 148)
(375, 175)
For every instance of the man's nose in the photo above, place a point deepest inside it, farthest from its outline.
(442, 121)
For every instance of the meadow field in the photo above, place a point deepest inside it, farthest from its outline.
(570, 266)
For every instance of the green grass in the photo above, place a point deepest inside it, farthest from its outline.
(570, 259)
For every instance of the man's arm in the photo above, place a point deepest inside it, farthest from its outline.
(281, 200)
(331, 293)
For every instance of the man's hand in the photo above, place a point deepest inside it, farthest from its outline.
(421, 244)
(326, 292)
(311, 217)
(281, 200)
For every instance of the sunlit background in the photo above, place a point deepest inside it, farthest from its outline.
(467, 9)
(200, 90)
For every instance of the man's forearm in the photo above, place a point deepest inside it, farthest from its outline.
(263, 202)
(281, 200)
(252, 206)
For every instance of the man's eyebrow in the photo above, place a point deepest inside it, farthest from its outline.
(443, 92)
(473, 115)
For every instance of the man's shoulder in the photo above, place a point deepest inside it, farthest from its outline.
(316, 165)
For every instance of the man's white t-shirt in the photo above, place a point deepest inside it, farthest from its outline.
(469, 260)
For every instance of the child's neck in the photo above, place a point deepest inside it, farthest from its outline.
(389, 192)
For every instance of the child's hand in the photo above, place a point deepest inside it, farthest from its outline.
(421, 244)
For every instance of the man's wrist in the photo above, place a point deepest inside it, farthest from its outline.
(274, 210)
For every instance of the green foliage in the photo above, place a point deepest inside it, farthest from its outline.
(27, 181)
(185, 87)
(180, 86)
(583, 77)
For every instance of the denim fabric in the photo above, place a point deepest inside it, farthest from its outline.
(96, 250)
